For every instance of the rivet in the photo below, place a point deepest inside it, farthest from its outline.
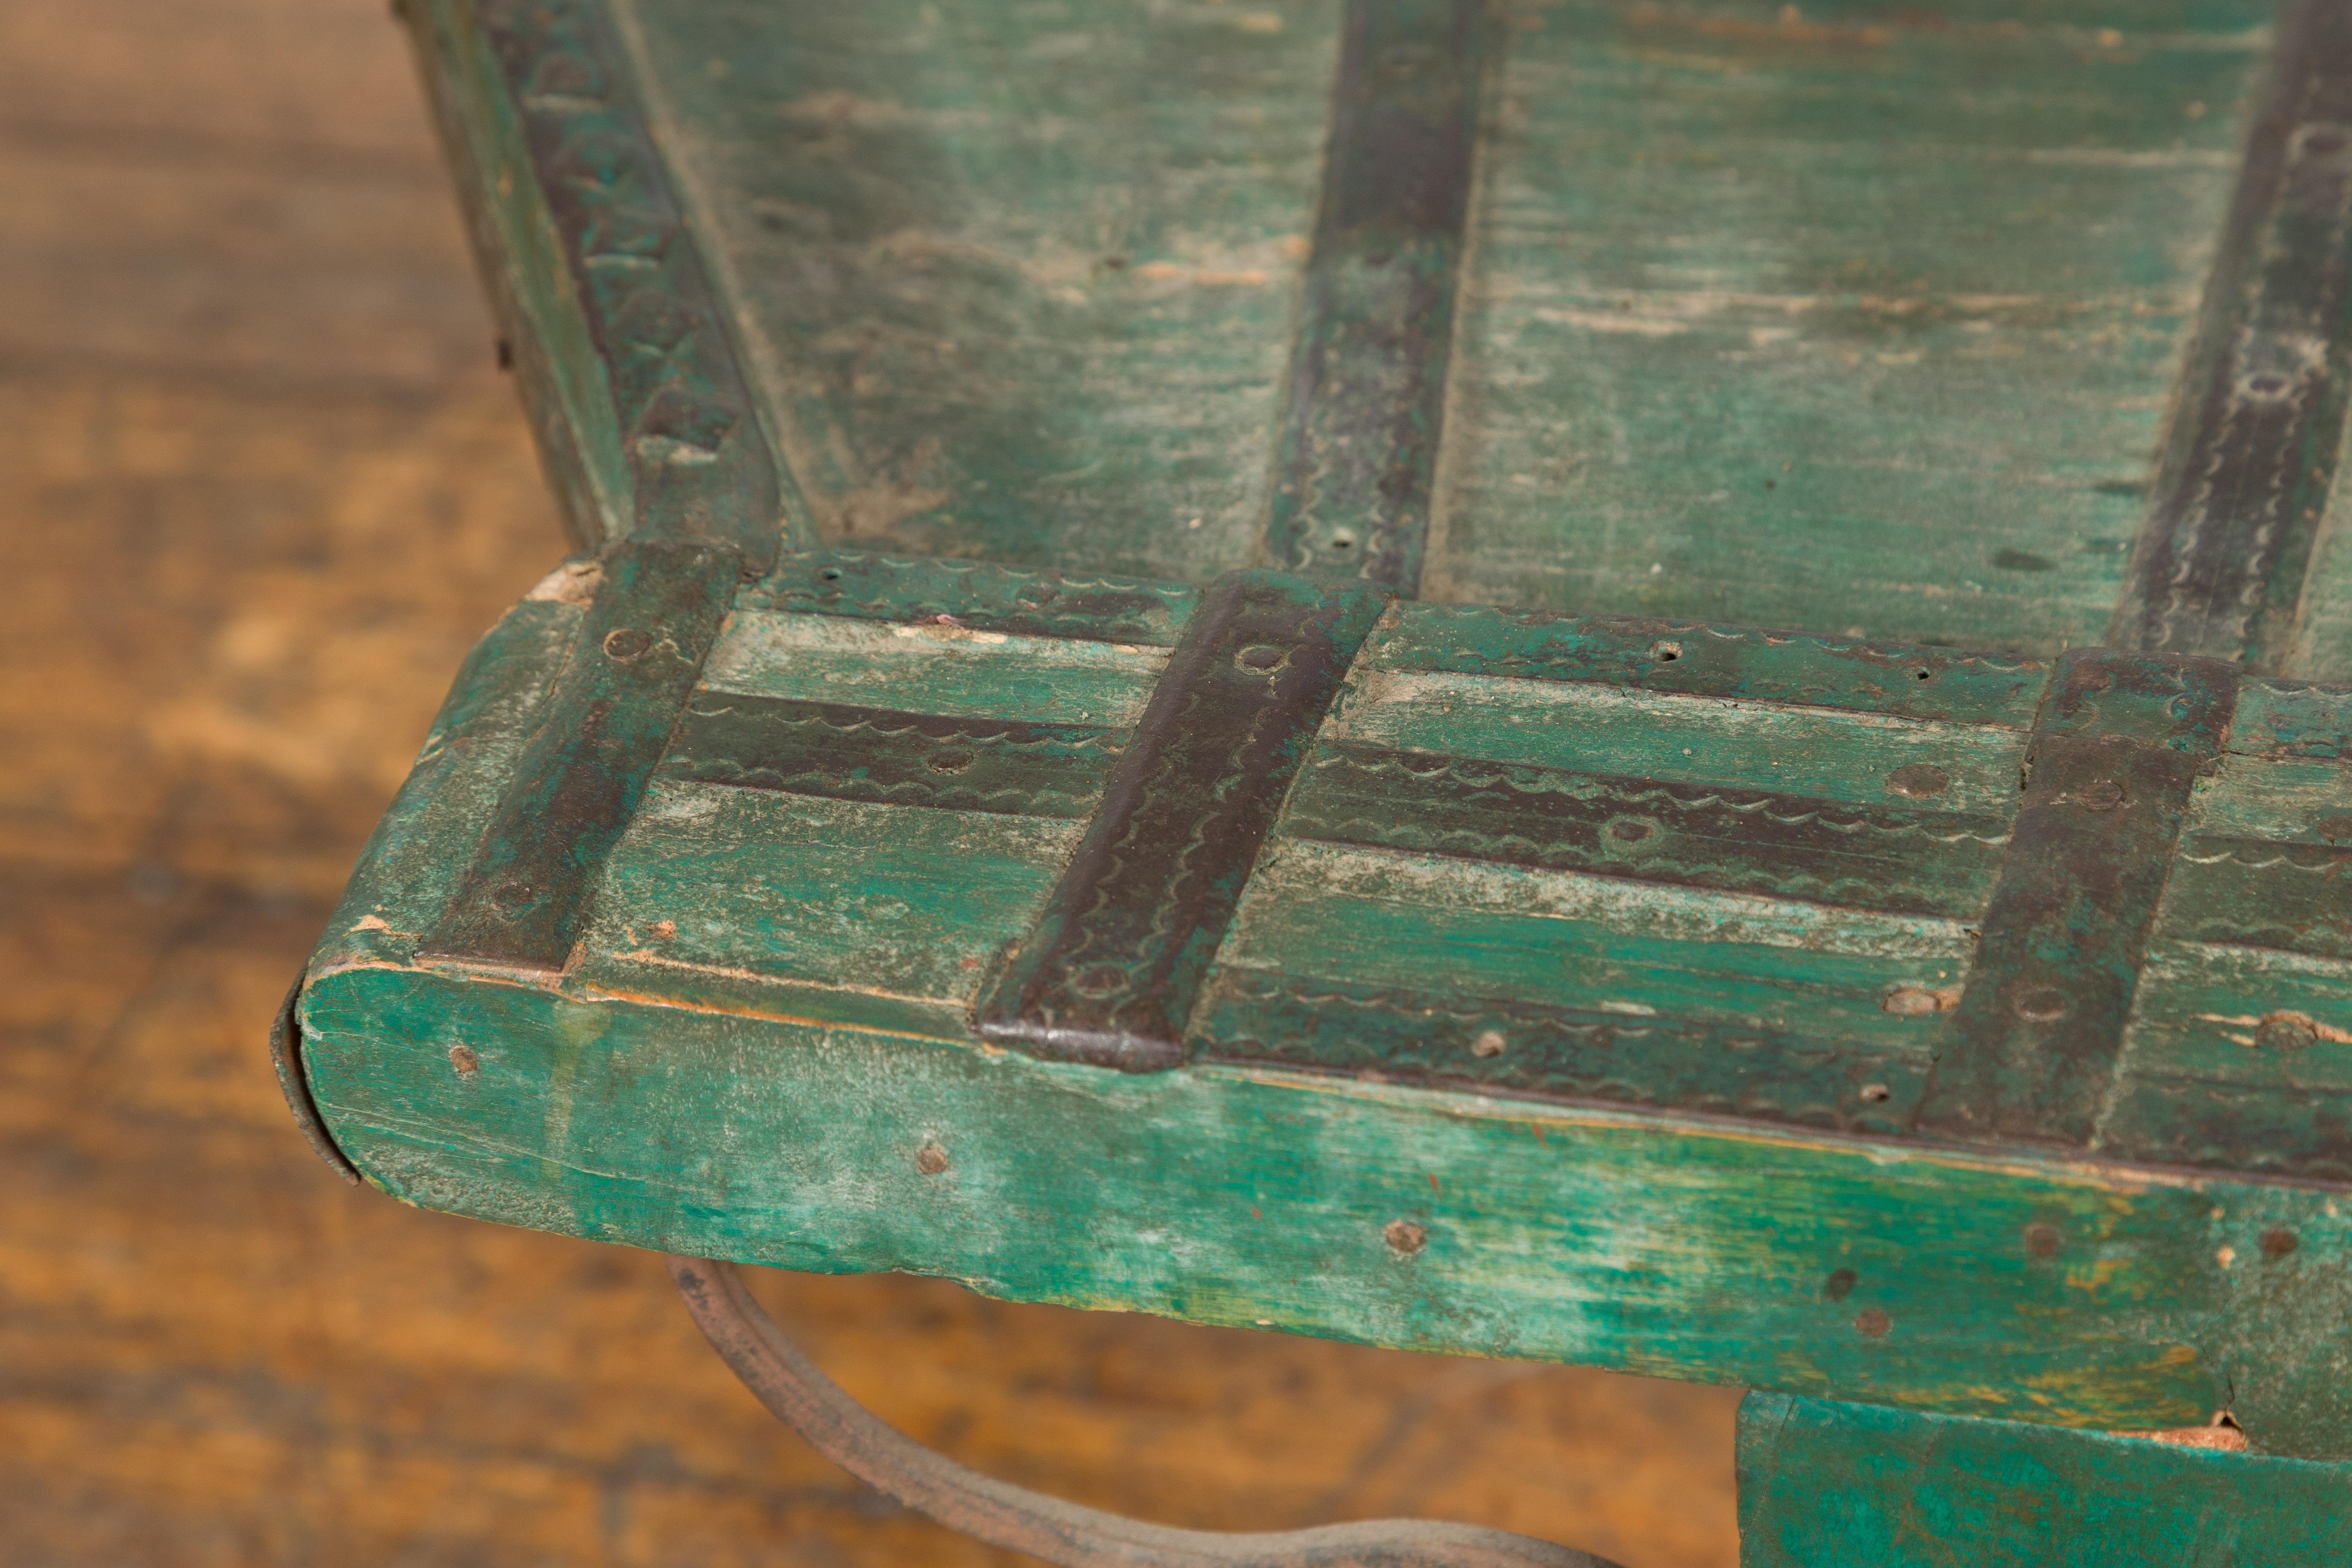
(1872, 1322)
(2042, 1240)
(1626, 830)
(1404, 1237)
(625, 642)
(949, 761)
(930, 1159)
(1261, 657)
(1489, 1043)
(466, 1060)
(1919, 781)
(2100, 795)
(2278, 1241)
(1877, 1093)
(1839, 1285)
(511, 895)
(2039, 1004)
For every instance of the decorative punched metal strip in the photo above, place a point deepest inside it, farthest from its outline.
(1695, 659)
(845, 753)
(1523, 1048)
(1749, 841)
(524, 899)
(1110, 972)
(2115, 749)
(2220, 566)
(700, 466)
(1359, 436)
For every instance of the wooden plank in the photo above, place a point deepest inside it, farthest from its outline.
(1848, 321)
(1021, 287)
(1533, 1231)
(1822, 1485)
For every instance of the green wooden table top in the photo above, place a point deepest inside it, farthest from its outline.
(1023, 780)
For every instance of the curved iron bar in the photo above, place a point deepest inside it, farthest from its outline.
(803, 1397)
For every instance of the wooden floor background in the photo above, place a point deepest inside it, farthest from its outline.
(260, 486)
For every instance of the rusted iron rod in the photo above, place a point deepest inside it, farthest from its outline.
(792, 1386)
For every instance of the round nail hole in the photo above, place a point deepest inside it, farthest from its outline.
(1839, 1285)
(1404, 1237)
(930, 1159)
(1877, 1093)
(1489, 1043)
(829, 574)
(2042, 1240)
(1872, 1322)
(465, 1059)
(1668, 652)
(2278, 1241)
(950, 761)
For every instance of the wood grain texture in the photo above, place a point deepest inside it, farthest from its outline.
(1851, 321)
(1824, 1484)
(262, 490)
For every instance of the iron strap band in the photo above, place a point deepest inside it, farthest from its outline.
(2117, 746)
(1357, 452)
(1111, 970)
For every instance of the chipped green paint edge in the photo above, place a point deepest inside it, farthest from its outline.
(1675, 1249)
(1826, 1485)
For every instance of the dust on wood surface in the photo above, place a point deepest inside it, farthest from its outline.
(266, 487)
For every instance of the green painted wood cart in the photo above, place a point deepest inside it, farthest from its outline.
(1662, 684)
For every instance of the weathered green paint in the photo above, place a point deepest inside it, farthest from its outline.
(756, 962)
(1678, 1250)
(1015, 282)
(1622, 954)
(983, 595)
(1840, 1486)
(1852, 318)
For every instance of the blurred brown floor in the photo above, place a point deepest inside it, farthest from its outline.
(259, 488)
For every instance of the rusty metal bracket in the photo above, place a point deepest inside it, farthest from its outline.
(844, 1431)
